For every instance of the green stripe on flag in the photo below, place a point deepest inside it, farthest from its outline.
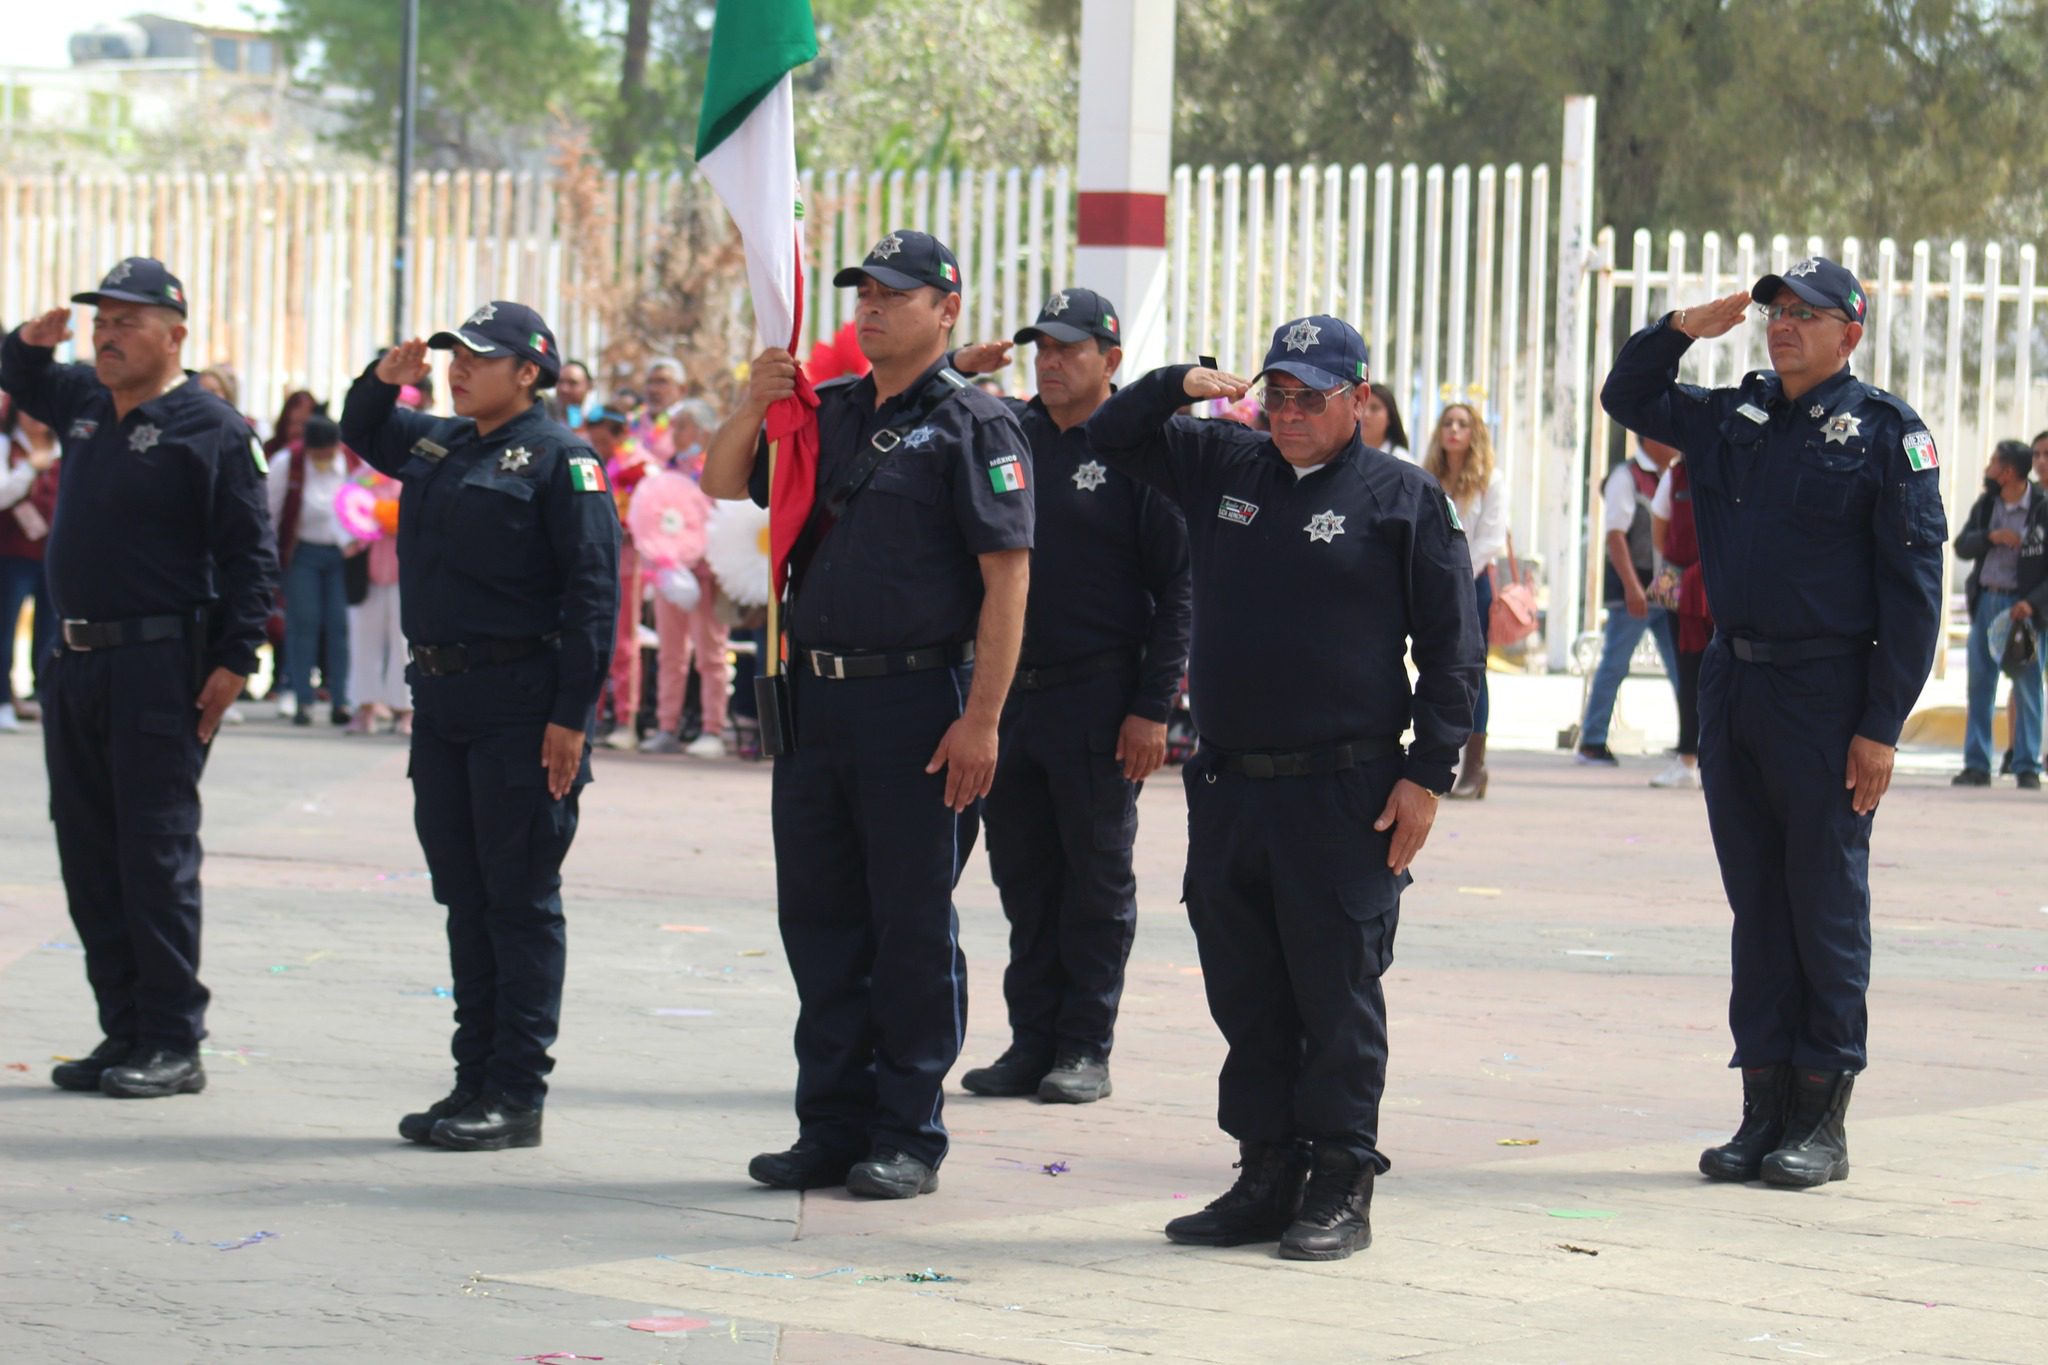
(754, 44)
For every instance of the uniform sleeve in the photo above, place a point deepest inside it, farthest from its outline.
(1130, 431)
(1908, 528)
(993, 500)
(1642, 393)
(376, 428)
(46, 391)
(583, 528)
(1974, 540)
(1445, 642)
(244, 550)
(1169, 578)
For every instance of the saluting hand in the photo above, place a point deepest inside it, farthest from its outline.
(405, 363)
(1203, 382)
(770, 379)
(49, 329)
(1712, 319)
(222, 687)
(968, 754)
(983, 357)
(561, 753)
(1410, 812)
(1870, 773)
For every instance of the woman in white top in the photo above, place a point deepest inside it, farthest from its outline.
(1461, 458)
(311, 546)
(1380, 426)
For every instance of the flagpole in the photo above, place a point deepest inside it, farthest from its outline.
(773, 666)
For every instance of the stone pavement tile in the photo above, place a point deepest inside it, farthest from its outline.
(836, 1348)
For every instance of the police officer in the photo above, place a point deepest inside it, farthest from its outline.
(161, 566)
(920, 572)
(1818, 504)
(1319, 565)
(508, 555)
(1105, 644)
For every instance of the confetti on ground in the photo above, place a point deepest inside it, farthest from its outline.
(251, 1240)
(680, 1013)
(1190, 971)
(438, 993)
(1602, 954)
(546, 1356)
(668, 1324)
(283, 967)
(58, 946)
(1518, 1142)
(1479, 891)
(17, 1066)
(1180, 1196)
(684, 929)
(1055, 1168)
(1572, 1246)
(119, 1218)
(753, 952)
(1580, 1213)
(925, 1276)
(760, 1274)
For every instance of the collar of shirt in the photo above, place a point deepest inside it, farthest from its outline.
(862, 393)
(1643, 460)
(521, 425)
(1343, 457)
(1829, 394)
(161, 406)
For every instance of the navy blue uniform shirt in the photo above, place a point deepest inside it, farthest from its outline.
(158, 514)
(1110, 567)
(1309, 592)
(1817, 517)
(508, 536)
(899, 571)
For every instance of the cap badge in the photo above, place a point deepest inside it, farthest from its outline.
(887, 247)
(1805, 267)
(120, 273)
(1302, 335)
(487, 313)
(1325, 526)
(1056, 305)
(1843, 427)
(517, 458)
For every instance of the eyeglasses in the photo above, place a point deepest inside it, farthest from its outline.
(1312, 402)
(1798, 312)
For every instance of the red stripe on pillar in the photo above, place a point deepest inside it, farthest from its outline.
(1115, 218)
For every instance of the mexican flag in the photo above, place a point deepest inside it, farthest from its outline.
(746, 147)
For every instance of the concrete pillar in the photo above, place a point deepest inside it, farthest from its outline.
(1126, 168)
(1563, 495)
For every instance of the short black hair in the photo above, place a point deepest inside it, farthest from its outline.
(2040, 438)
(2016, 456)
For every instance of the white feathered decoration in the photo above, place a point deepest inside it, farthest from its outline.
(736, 548)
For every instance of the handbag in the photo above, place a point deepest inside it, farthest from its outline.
(1513, 617)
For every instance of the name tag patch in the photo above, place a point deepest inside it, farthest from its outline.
(82, 429)
(427, 449)
(1237, 510)
(1754, 413)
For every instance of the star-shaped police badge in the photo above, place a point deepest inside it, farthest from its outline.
(1843, 427)
(1816, 412)
(143, 438)
(887, 247)
(1302, 335)
(920, 438)
(487, 313)
(1805, 267)
(1325, 526)
(1089, 476)
(1056, 305)
(517, 458)
(120, 273)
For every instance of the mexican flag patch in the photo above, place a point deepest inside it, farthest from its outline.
(952, 276)
(1452, 508)
(586, 475)
(1920, 452)
(1006, 474)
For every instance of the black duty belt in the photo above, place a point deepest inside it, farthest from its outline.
(1786, 652)
(86, 636)
(826, 664)
(1309, 762)
(1059, 675)
(441, 661)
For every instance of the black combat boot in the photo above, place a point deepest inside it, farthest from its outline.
(1078, 1077)
(1336, 1210)
(1816, 1149)
(891, 1173)
(490, 1123)
(1259, 1207)
(1015, 1074)
(1764, 1102)
(151, 1073)
(808, 1165)
(420, 1127)
(83, 1073)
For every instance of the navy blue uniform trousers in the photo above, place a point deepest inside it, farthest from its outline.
(1795, 856)
(121, 743)
(1294, 911)
(495, 840)
(1061, 820)
(866, 857)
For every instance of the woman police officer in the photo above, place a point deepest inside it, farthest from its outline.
(508, 547)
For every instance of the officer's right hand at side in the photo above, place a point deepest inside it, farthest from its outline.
(770, 379)
(405, 363)
(1203, 382)
(1712, 319)
(48, 330)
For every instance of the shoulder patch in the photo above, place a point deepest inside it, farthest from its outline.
(1006, 474)
(256, 454)
(586, 475)
(1451, 511)
(1920, 452)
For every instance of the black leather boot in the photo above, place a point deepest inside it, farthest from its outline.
(1259, 1207)
(1076, 1078)
(420, 1127)
(1816, 1149)
(891, 1174)
(1014, 1074)
(1764, 1104)
(1336, 1209)
(806, 1166)
(490, 1123)
(151, 1073)
(83, 1073)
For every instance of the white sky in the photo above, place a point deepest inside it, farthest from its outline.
(39, 34)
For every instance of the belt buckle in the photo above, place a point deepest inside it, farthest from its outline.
(892, 442)
(837, 671)
(81, 649)
(1257, 765)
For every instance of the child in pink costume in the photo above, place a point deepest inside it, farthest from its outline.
(686, 637)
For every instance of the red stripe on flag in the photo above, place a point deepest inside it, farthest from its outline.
(794, 423)
(1115, 218)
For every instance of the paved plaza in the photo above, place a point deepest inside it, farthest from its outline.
(1559, 1059)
